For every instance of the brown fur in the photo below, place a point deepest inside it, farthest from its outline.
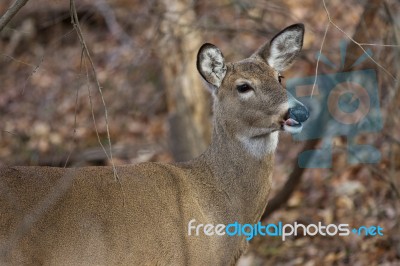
(77, 216)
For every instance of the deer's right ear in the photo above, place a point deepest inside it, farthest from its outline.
(283, 48)
(211, 64)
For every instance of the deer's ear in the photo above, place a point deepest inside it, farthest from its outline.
(211, 64)
(284, 47)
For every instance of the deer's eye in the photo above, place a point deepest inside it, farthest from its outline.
(280, 77)
(244, 88)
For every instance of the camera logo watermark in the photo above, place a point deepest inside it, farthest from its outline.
(340, 104)
(279, 229)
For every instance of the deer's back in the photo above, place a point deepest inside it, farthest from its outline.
(84, 216)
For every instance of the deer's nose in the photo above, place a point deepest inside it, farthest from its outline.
(299, 113)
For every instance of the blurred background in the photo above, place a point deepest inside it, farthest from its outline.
(52, 113)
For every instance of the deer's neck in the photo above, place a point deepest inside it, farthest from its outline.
(241, 171)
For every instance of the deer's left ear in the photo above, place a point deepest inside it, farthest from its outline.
(211, 65)
(283, 49)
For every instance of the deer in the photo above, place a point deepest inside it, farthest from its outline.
(78, 215)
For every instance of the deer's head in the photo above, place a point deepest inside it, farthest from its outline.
(250, 103)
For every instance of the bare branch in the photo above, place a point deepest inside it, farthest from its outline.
(378, 44)
(18, 61)
(9, 132)
(319, 56)
(85, 50)
(10, 13)
(355, 42)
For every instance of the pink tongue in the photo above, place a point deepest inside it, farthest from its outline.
(291, 122)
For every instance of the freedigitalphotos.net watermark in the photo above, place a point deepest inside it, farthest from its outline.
(280, 230)
(340, 104)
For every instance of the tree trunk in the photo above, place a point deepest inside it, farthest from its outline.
(188, 102)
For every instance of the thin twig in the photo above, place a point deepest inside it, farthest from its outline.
(319, 56)
(75, 23)
(10, 13)
(75, 113)
(9, 132)
(355, 42)
(92, 111)
(34, 71)
(378, 44)
(17, 60)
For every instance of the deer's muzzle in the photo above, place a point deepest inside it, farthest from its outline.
(296, 115)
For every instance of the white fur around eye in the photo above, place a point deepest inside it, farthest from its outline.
(246, 95)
